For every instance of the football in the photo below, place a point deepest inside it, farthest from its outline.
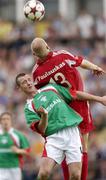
(34, 10)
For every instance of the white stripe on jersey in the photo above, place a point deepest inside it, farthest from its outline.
(29, 104)
(15, 137)
(70, 62)
(5, 150)
(62, 52)
(34, 68)
(48, 88)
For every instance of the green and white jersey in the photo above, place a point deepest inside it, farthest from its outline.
(9, 159)
(60, 115)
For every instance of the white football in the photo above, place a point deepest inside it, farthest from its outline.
(34, 10)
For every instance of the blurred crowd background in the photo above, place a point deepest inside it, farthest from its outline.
(80, 29)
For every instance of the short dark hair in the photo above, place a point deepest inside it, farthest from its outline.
(5, 113)
(17, 77)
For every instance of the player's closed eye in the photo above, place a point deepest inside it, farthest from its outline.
(24, 82)
(29, 79)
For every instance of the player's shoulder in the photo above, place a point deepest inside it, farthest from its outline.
(1, 131)
(28, 106)
(35, 67)
(49, 87)
(62, 52)
(18, 133)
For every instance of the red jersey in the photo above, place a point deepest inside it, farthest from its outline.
(58, 67)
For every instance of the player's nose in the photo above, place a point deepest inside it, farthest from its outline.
(28, 82)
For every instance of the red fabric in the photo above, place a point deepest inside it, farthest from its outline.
(73, 93)
(84, 166)
(56, 66)
(44, 154)
(34, 127)
(82, 107)
(65, 170)
(28, 150)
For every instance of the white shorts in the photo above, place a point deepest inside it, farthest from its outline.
(65, 143)
(10, 174)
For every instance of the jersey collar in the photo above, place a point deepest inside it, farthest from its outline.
(31, 99)
(46, 58)
(10, 130)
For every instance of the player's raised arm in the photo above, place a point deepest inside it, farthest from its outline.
(69, 95)
(90, 66)
(86, 96)
(76, 61)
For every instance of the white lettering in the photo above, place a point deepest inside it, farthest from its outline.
(53, 104)
(46, 74)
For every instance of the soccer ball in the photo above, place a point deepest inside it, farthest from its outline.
(34, 10)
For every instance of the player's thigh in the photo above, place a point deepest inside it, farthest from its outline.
(46, 165)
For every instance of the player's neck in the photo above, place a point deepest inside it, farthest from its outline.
(6, 129)
(32, 94)
(42, 58)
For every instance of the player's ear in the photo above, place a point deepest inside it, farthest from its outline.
(48, 47)
(18, 87)
(33, 53)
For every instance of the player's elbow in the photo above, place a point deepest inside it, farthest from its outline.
(84, 64)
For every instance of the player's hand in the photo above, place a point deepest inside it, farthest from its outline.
(15, 149)
(98, 71)
(103, 100)
(42, 111)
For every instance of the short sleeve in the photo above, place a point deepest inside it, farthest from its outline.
(72, 60)
(78, 60)
(31, 116)
(64, 93)
(24, 143)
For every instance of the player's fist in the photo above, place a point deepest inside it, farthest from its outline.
(98, 71)
(15, 149)
(42, 111)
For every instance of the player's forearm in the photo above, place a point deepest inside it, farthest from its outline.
(88, 65)
(86, 96)
(43, 123)
(22, 151)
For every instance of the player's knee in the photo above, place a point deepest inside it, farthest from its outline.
(75, 175)
(43, 174)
